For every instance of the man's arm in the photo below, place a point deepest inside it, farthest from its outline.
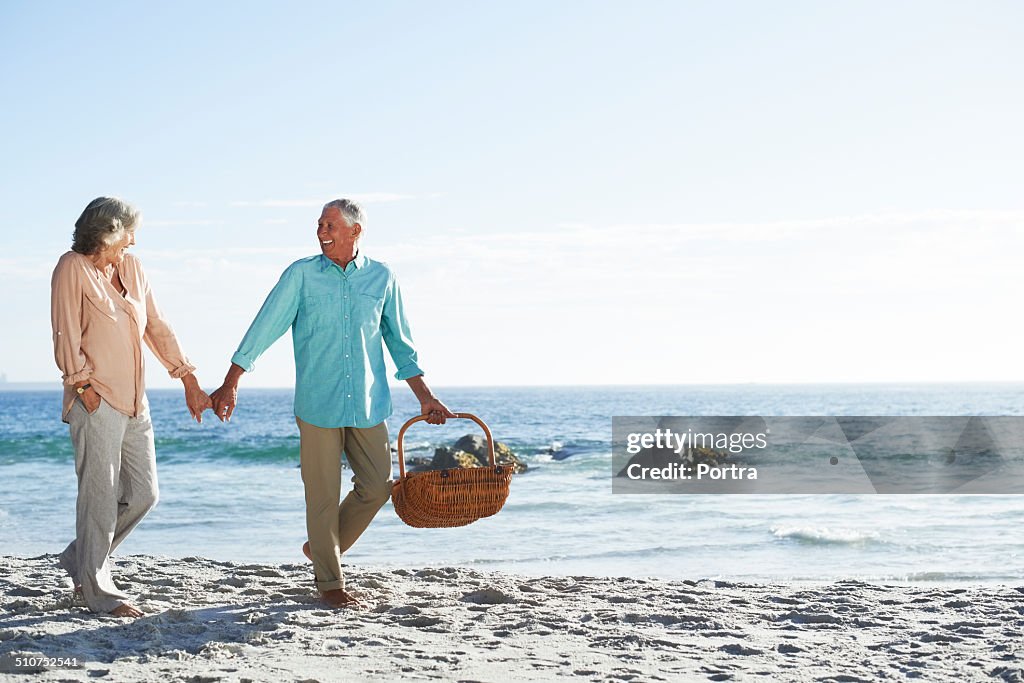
(394, 328)
(437, 413)
(226, 397)
(275, 317)
(398, 337)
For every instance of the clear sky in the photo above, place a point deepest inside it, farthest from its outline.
(570, 192)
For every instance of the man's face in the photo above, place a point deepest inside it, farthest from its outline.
(337, 235)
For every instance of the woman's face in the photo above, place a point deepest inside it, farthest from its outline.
(114, 254)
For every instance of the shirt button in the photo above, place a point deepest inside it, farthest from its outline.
(350, 396)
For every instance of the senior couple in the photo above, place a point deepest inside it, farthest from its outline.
(342, 307)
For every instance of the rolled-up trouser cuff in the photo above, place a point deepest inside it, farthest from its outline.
(324, 586)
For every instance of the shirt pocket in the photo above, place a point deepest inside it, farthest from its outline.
(100, 308)
(317, 312)
(368, 307)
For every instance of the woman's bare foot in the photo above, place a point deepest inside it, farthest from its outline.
(339, 598)
(126, 611)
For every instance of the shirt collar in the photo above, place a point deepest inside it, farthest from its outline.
(359, 261)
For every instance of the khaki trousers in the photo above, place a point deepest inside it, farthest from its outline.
(333, 528)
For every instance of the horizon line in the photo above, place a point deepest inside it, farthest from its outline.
(56, 385)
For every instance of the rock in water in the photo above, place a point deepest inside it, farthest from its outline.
(448, 458)
(503, 455)
(471, 451)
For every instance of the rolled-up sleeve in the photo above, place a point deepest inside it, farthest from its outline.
(160, 337)
(66, 319)
(275, 317)
(397, 335)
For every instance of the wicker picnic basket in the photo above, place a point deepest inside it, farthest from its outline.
(452, 497)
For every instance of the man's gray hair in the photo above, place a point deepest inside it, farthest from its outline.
(352, 211)
(104, 222)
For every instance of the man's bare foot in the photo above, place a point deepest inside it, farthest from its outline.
(339, 598)
(126, 611)
(306, 552)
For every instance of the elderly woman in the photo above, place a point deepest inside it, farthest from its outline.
(102, 310)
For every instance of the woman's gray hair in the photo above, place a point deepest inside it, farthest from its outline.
(352, 211)
(103, 223)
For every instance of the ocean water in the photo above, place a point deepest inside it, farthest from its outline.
(233, 491)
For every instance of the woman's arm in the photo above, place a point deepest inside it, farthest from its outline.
(161, 340)
(66, 319)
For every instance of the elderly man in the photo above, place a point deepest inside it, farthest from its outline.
(343, 308)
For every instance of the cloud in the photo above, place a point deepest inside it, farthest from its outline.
(166, 223)
(32, 267)
(887, 295)
(948, 253)
(282, 203)
(229, 253)
(365, 197)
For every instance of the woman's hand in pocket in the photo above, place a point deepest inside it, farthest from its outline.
(91, 400)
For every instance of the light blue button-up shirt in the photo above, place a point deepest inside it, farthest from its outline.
(340, 320)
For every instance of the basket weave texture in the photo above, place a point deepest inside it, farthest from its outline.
(452, 497)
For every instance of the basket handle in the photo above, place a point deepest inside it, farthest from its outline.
(463, 416)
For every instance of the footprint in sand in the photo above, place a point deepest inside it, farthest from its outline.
(487, 596)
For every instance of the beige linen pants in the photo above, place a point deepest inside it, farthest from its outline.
(115, 461)
(333, 528)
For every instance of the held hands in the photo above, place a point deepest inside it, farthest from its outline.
(226, 397)
(197, 401)
(437, 413)
(224, 401)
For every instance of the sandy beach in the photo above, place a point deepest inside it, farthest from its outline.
(221, 621)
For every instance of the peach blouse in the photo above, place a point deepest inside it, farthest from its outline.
(98, 332)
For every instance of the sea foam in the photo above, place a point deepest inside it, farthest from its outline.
(824, 535)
